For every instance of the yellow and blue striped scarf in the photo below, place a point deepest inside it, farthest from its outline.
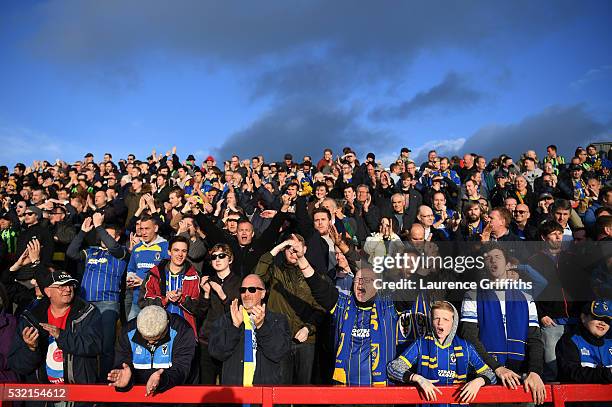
(250, 350)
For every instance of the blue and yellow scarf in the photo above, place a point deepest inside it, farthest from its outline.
(511, 344)
(250, 351)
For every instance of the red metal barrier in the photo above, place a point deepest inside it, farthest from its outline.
(581, 392)
(391, 395)
(268, 396)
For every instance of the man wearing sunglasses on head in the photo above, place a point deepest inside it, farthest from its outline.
(218, 291)
(250, 340)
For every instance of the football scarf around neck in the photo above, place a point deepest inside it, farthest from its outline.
(250, 350)
(511, 345)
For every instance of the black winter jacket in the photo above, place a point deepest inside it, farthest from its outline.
(81, 343)
(226, 344)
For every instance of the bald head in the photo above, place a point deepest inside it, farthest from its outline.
(425, 216)
(417, 233)
(249, 299)
(253, 280)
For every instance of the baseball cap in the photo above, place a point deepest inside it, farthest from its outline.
(210, 158)
(88, 155)
(501, 174)
(56, 278)
(600, 309)
(190, 157)
(406, 150)
(288, 156)
(575, 167)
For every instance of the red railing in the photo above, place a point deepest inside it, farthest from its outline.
(268, 396)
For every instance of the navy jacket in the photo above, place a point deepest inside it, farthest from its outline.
(81, 343)
(583, 358)
(226, 343)
(174, 353)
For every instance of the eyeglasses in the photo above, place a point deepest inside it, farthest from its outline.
(252, 290)
(216, 256)
(361, 280)
(65, 287)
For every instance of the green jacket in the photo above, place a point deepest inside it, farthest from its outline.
(289, 294)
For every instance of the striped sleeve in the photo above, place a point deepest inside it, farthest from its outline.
(399, 368)
(341, 304)
(480, 367)
(533, 312)
(469, 308)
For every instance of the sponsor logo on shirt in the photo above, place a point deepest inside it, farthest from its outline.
(361, 332)
(446, 373)
(97, 261)
(145, 265)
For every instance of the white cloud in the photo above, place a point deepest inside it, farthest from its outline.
(595, 74)
(21, 144)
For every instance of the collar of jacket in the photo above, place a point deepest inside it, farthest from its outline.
(77, 307)
(138, 339)
(157, 240)
(589, 337)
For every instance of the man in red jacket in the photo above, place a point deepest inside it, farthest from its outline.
(173, 284)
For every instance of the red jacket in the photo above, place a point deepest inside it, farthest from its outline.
(153, 290)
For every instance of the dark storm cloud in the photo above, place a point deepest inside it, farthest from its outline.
(303, 130)
(453, 92)
(306, 55)
(379, 34)
(566, 126)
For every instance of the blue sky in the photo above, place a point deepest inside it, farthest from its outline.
(296, 76)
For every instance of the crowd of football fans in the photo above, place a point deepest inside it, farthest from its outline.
(165, 271)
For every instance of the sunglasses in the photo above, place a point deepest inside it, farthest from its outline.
(29, 213)
(252, 290)
(218, 256)
(520, 212)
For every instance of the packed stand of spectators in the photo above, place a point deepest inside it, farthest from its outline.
(166, 271)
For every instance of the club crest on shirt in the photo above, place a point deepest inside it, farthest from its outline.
(157, 256)
(453, 358)
(584, 352)
(138, 350)
(164, 350)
